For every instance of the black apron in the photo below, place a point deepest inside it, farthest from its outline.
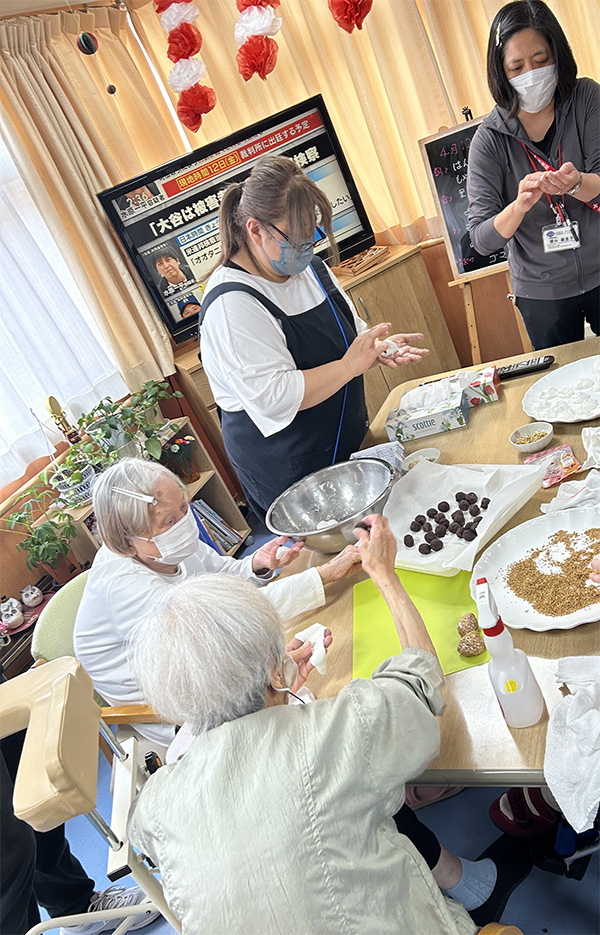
(267, 466)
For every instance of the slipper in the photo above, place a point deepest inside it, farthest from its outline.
(514, 812)
(513, 863)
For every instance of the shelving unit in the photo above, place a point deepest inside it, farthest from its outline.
(209, 483)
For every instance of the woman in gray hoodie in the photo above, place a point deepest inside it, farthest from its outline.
(534, 174)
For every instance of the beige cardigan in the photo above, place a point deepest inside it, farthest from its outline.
(281, 821)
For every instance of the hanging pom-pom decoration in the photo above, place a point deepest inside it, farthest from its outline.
(257, 53)
(193, 104)
(87, 43)
(184, 42)
(349, 13)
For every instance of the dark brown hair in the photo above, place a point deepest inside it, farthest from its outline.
(511, 19)
(275, 189)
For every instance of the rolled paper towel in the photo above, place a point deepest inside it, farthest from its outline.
(315, 634)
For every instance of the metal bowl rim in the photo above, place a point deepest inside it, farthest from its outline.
(325, 529)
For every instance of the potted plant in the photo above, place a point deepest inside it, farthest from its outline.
(46, 543)
(117, 425)
(73, 479)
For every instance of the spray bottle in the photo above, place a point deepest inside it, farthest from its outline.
(513, 681)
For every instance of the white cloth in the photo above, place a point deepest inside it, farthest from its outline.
(120, 591)
(574, 494)
(281, 821)
(244, 351)
(572, 761)
(315, 634)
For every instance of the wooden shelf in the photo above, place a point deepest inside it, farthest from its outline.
(197, 485)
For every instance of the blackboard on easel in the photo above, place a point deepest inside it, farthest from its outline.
(446, 156)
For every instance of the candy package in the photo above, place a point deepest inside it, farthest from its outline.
(559, 463)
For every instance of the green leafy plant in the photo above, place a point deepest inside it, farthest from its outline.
(45, 541)
(137, 419)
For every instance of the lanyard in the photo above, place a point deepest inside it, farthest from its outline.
(558, 210)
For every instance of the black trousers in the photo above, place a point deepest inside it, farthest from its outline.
(34, 867)
(550, 322)
(423, 839)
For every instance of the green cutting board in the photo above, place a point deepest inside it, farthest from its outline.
(441, 603)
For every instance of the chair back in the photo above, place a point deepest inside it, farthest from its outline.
(58, 769)
(53, 633)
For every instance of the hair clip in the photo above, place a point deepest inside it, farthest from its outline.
(498, 35)
(137, 496)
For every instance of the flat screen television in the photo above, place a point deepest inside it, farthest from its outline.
(168, 218)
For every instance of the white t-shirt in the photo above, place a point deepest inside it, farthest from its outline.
(244, 351)
(120, 591)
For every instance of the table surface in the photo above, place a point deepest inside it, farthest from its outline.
(477, 746)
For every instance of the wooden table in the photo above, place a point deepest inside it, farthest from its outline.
(477, 746)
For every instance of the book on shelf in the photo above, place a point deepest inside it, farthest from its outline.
(218, 529)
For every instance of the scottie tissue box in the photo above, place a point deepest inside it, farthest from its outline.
(427, 410)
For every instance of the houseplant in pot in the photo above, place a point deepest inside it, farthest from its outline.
(45, 538)
(74, 477)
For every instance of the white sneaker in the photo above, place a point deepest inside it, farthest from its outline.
(115, 897)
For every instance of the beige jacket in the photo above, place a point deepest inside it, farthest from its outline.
(280, 823)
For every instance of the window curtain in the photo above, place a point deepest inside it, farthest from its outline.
(407, 74)
(48, 337)
(70, 139)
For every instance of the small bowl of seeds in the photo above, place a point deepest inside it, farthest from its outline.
(532, 437)
(423, 454)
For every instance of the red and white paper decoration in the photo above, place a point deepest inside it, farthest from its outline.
(257, 53)
(184, 43)
(349, 13)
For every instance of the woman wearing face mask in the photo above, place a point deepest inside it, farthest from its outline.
(281, 345)
(534, 174)
(151, 542)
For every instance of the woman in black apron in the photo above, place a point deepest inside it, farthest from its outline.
(267, 227)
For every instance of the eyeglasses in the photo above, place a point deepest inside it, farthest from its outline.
(319, 235)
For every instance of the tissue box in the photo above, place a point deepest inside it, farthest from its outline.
(447, 414)
(482, 386)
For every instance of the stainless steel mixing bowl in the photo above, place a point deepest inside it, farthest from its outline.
(338, 496)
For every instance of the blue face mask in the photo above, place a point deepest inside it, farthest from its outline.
(292, 260)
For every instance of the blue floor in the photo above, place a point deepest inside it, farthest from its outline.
(545, 904)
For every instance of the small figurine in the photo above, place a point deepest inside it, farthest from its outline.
(12, 613)
(31, 596)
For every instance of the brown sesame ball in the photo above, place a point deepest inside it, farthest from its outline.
(437, 544)
(463, 505)
(420, 519)
(471, 644)
(415, 527)
(469, 535)
(427, 527)
(440, 531)
(485, 503)
(429, 537)
(409, 541)
(431, 512)
(467, 622)
(443, 506)
(472, 497)
(454, 527)
(460, 496)
(424, 548)
(474, 510)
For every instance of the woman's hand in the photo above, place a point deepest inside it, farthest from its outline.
(377, 549)
(530, 191)
(301, 653)
(595, 572)
(364, 350)
(561, 181)
(406, 353)
(343, 565)
(265, 558)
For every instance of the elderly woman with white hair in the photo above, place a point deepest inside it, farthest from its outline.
(151, 542)
(285, 818)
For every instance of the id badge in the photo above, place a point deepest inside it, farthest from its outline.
(557, 237)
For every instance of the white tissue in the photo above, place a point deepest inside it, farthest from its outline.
(590, 439)
(574, 494)
(178, 13)
(281, 552)
(186, 73)
(315, 634)
(256, 21)
(388, 348)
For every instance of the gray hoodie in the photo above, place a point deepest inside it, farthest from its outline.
(498, 162)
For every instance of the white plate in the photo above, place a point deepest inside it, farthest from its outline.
(512, 547)
(564, 376)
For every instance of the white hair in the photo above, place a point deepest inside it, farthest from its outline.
(203, 655)
(121, 517)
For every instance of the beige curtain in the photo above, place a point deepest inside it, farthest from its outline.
(70, 139)
(404, 76)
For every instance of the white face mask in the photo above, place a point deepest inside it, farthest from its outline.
(178, 542)
(535, 88)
